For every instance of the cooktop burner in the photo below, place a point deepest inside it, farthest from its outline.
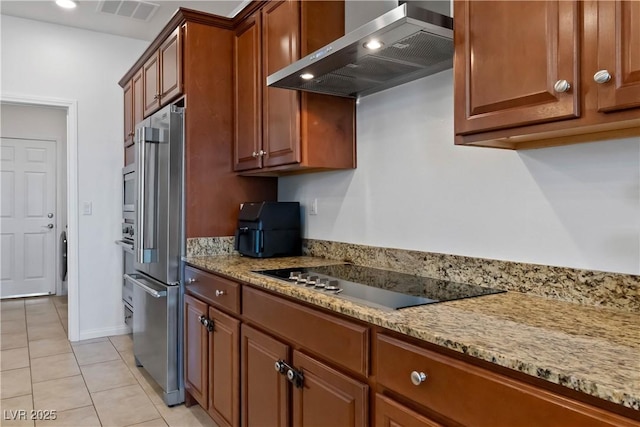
(377, 288)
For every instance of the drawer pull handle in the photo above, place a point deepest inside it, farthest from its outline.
(602, 76)
(192, 280)
(418, 378)
(220, 293)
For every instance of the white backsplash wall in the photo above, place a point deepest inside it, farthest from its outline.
(573, 206)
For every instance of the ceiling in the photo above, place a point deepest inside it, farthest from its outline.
(88, 14)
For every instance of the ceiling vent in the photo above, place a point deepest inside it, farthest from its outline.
(138, 10)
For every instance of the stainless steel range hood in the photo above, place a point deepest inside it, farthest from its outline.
(416, 42)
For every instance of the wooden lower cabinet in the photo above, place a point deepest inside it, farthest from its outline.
(390, 413)
(196, 354)
(327, 397)
(212, 367)
(265, 392)
(243, 343)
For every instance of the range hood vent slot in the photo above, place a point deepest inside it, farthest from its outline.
(417, 43)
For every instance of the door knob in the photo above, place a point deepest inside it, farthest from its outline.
(49, 215)
(561, 86)
(49, 226)
(602, 76)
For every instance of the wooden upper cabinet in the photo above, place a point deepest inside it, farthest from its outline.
(511, 61)
(281, 130)
(281, 121)
(247, 69)
(128, 114)
(618, 55)
(531, 74)
(170, 57)
(151, 93)
(138, 101)
(162, 74)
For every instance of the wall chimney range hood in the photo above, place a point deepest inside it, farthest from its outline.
(414, 43)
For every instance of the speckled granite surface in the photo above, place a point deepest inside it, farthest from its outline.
(597, 288)
(594, 350)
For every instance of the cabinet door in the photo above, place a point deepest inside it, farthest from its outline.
(138, 98)
(281, 111)
(508, 57)
(170, 58)
(392, 414)
(328, 398)
(224, 369)
(151, 85)
(128, 114)
(619, 54)
(247, 94)
(265, 392)
(196, 350)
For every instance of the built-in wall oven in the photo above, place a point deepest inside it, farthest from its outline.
(127, 239)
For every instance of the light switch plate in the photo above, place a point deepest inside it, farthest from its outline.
(87, 208)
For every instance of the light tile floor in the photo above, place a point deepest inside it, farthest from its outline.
(87, 383)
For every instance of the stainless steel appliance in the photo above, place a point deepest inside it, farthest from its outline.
(412, 42)
(383, 289)
(128, 188)
(269, 229)
(126, 241)
(158, 246)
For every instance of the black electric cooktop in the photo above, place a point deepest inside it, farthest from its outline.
(377, 288)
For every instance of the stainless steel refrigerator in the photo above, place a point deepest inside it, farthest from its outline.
(159, 244)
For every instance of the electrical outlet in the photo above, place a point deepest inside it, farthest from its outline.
(313, 209)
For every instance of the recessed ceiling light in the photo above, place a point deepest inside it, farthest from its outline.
(67, 4)
(373, 44)
(306, 76)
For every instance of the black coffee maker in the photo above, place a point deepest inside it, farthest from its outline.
(269, 229)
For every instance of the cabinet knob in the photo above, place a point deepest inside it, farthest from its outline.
(561, 86)
(418, 378)
(202, 319)
(602, 76)
(280, 366)
(254, 154)
(220, 293)
(262, 153)
(192, 280)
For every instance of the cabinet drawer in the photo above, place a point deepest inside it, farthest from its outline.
(213, 289)
(474, 396)
(340, 341)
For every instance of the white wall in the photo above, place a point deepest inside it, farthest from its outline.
(45, 60)
(574, 206)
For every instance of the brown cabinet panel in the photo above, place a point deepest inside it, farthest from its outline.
(619, 53)
(196, 350)
(128, 114)
(265, 392)
(392, 414)
(151, 93)
(509, 55)
(328, 397)
(281, 120)
(338, 340)
(474, 396)
(214, 290)
(129, 155)
(247, 65)
(138, 98)
(224, 369)
(170, 57)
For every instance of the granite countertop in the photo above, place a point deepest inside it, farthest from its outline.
(592, 350)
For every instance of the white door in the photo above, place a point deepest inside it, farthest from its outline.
(27, 217)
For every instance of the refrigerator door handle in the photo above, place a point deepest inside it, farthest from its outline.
(137, 280)
(146, 243)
